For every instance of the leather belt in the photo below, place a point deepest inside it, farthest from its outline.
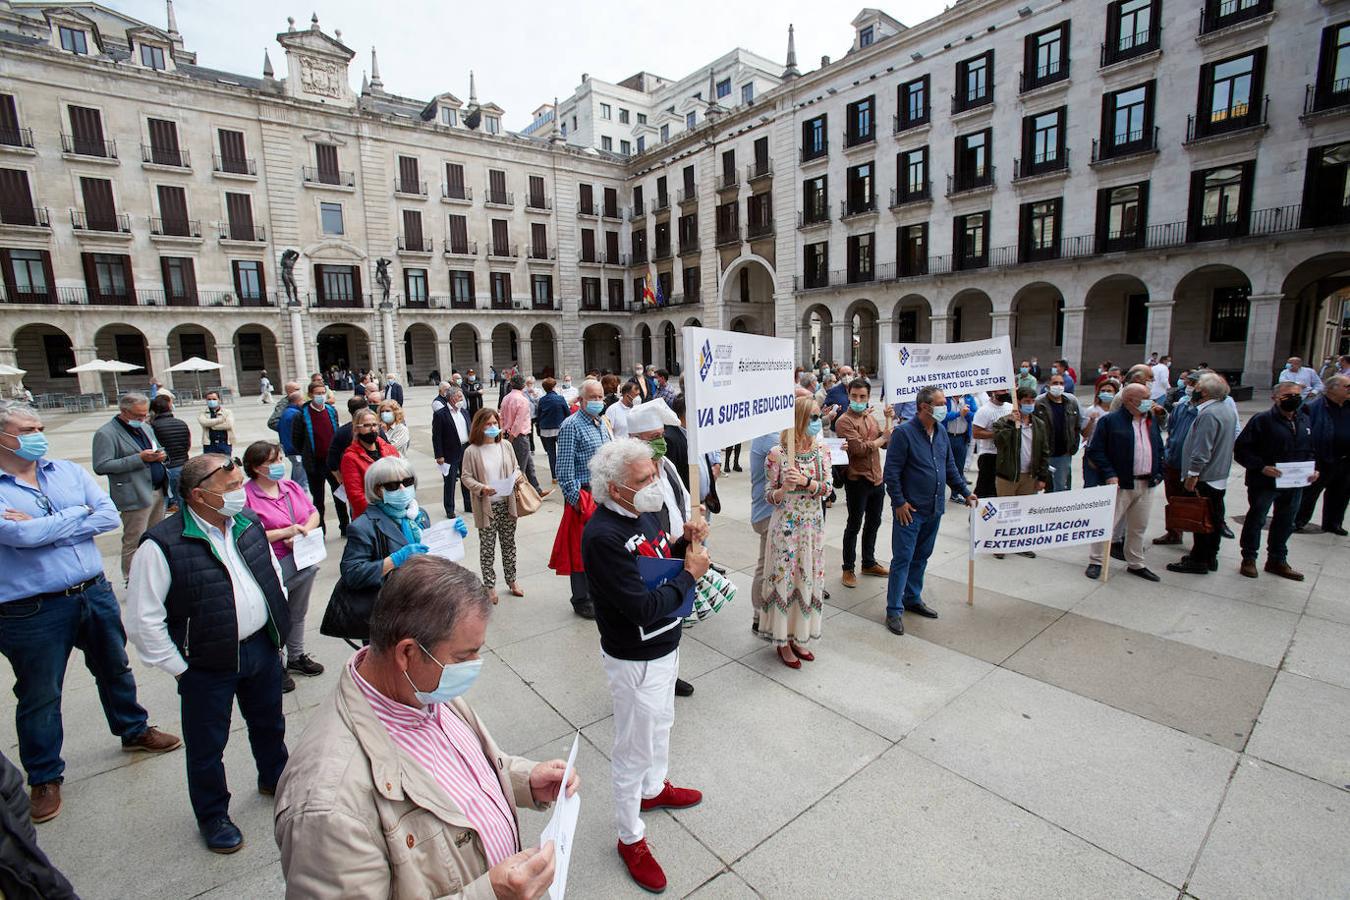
(68, 592)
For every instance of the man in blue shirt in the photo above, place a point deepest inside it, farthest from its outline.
(918, 464)
(285, 425)
(54, 599)
(581, 434)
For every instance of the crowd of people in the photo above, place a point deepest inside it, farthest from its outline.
(217, 596)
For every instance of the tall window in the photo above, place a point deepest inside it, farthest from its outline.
(972, 168)
(690, 120)
(1221, 202)
(690, 276)
(1132, 29)
(815, 200)
(25, 276)
(326, 162)
(338, 286)
(415, 287)
(974, 82)
(1228, 313)
(173, 210)
(748, 92)
(911, 250)
(861, 189)
(911, 175)
(501, 289)
(605, 111)
(412, 231)
(1326, 186)
(623, 116)
(614, 287)
(330, 218)
(16, 199)
(457, 240)
(1039, 232)
(180, 282)
(913, 103)
(1333, 68)
(1230, 93)
(1222, 13)
(611, 209)
(454, 182)
(1127, 120)
(233, 153)
(409, 176)
(867, 36)
(248, 280)
(73, 40)
(108, 278)
(1043, 143)
(164, 143)
(723, 88)
(970, 241)
(860, 125)
(86, 132)
(606, 142)
(815, 138)
(541, 291)
(861, 258)
(461, 289)
(1047, 57)
(815, 265)
(1122, 214)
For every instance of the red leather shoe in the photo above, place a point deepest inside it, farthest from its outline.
(803, 654)
(642, 866)
(672, 797)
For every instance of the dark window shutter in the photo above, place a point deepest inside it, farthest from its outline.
(231, 150)
(1150, 100)
(169, 295)
(611, 246)
(587, 198)
(90, 277)
(500, 236)
(1028, 142)
(49, 275)
(326, 158)
(1245, 202)
(1024, 231)
(130, 281)
(539, 238)
(407, 174)
(356, 285)
(164, 142)
(99, 210)
(497, 181)
(587, 244)
(16, 201)
(9, 118)
(190, 278)
(1258, 83)
(239, 210)
(320, 294)
(7, 274)
(1143, 213)
(1103, 217)
(1196, 204)
(86, 128)
(1108, 134)
(1205, 95)
(454, 178)
(173, 209)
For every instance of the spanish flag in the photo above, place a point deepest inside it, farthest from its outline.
(649, 289)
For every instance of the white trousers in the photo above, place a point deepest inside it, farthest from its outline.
(644, 711)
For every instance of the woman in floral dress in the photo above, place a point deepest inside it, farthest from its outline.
(790, 612)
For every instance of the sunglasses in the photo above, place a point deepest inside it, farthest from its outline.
(395, 485)
(815, 417)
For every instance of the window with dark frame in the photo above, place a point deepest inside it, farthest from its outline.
(911, 250)
(1228, 314)
(911, 175)
(73, 40)
(541, 291)
(1221, 202)
(1047, 57)
(1223, 13)
(860, 122)
(248, 280)
(1136, 319)
(86, 132)
(1133, 28)
(690, 276)
(27, 277)
(815, 264)
(1122, 216)
(461, 289)
(914, 103)
(501, 289)
(152, 57)
(1326, 186)
(180, 281)
(1231, 94)
(614, 287)
(860, 188)
(1127, 120)
(971, 241)
(815, 200)
(454, 182)
(16, 198)
(974, 82)
(1040, 230)
(233, 155)
(415, 287)
(815, 138)
(861, 258)
(1333, 68)
(1043, 142)
(972, 168)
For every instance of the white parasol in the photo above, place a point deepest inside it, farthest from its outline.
(107, 365)
(196, 365)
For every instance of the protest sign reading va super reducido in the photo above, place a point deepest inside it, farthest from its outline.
(955, 368)
(1038, 521)
(737, 386)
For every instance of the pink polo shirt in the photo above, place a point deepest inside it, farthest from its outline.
(443, 744)
(515, 413)
(277, 513)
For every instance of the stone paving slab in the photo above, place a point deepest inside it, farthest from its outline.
(1321, 650)
(1305, 726)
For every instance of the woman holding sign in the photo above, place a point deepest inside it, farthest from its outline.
(489, 467)
(796, 480)
(285, 510)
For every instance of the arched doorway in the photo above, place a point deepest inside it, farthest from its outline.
(421, 355)
(743, 324)
(818, 330)
(1315, 315)
(543, 351)
(127, 344)
(344, 346)
(255, 352)
(862, 321)
(1038, 323)
(601, 348)
(46, 352)
(186, 341)
(1209, 320)
(505, 347)
(1115, 326)
(463, 348)
(913, 320)
(972, 316)
(747, 294)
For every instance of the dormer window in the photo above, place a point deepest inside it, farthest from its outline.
(492, 125)
(449, 116)
(866, 36)
(73, 40)
(152, 57)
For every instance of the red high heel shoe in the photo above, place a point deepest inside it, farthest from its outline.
(802, 654)
(791, 664)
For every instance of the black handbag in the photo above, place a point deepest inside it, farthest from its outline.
(349, 609)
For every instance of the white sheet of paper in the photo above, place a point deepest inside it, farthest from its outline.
(443, 540)
(562, 827)
(340, 494)
(309, 549)
(1294, 474)
(445, 469)
(838, 455)
(503, 486)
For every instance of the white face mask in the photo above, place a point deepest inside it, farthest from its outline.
(648, 499)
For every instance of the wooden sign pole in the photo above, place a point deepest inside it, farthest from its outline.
(970, 563)
(1106, 562)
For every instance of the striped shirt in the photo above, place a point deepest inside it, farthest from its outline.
(443, 744)
(578, 439)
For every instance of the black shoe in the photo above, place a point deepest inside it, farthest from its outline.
(1144, 574)
(923, 609)
(1118, 550)
(896, 624)
(267, 790)
(287, 683)
(1228, 532)
(1029, 554)
(1093, 571)
(584, 608)
(825, 595)
(305, 665)
(1188, 566)
(683, 688)
(1339, 532)
(222, 836)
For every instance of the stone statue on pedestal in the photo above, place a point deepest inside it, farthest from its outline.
(288, 259)
(382, 279)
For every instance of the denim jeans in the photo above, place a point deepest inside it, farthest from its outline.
(865, 501)
(298, 474)
(207, 704)
(1259, 502)
(911, 545)
(960, 448)
(1061, 473)
(36, 636)
(174, 498)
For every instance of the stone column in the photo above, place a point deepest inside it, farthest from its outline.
(1072, 349)
(390, 361)
(1159, 326)
(524, 356)
(299, 348)
(445, 351)
(1002, 323)
(484, 358)
(804, 345)
(159, 364)
(940, 327)
(1263, 317)
(885, 334)
(841, 342)
(229, 376)
(90, 382)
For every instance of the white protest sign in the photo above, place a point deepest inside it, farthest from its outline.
(955, 368)
(1038, 521)
(737, 386)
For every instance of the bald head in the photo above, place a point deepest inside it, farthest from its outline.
(1130, 396)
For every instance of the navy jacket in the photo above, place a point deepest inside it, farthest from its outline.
(445, 443)
(1111, 449)
(917, 468)
(1269, 439)
(1323, 416)
(394, 391)
(552, 410)
(362, 565)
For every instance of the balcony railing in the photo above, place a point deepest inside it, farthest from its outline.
(962, 102)
(857, 207)
(817, 214)
(1041, 164)
(684, 196)
(661, 204)
(1227, 121)
(333, 177)
(410, 188)
(808, 153)
(1319, 98)
(543, 303)
(503, 251)
(537, 252)
(757, 170)
(731, 235)
(588, 259)
(662, 251)
(415, 243)
(537, 201)
(173, 227)
(461, 248)
(689, 246)
(1128, 144)
(728, 181)
(675, 300)
(456, 192)
(587, 209)
(611, 212)
(1128, 46)
(590, 304)
(165, 156)
(116, 222)
(755, 230)
(31, 216)
(637, 212)
(17, 137)
(901, 124)
(970, 181)
(858, 138)
(460, 302)
(499, 198)
(1042, 76)
(230, 165)
(81, 146)
(1218, 14)
(912, 193)
(639, 256)
(231, 231)
(342, 301)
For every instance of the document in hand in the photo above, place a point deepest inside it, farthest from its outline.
(445, 469)
(1294, 474)
(309, 549)
(503, 487)
(443, 540)
(838, 453)
(656, 571)
(562, 828)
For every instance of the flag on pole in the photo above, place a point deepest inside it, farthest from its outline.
(648, 292)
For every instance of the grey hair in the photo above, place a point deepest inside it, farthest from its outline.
(10, 411)
(610, 463)
(386, 468)
(587, 383)
(926, 393)
(443, 385)
(198, 469)
(1337, 380)
(807, 380)
(128, 401)
(425, 599)
(1214, 385)
(455, 391)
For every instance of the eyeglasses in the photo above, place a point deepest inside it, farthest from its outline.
(44, 503)
(395, 485)
(227, 466)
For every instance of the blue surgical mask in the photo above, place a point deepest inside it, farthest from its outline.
(213, 404)
(1024, 370)
(857, 407)
(492, 432)
(813, 428)
(1027, 408)
(32, 447)
(1181, 382)
(1106, 396)
(276, 471)
(387, 418)
(1145, 405)
(595, 407)
(456, 678)
(399, 499)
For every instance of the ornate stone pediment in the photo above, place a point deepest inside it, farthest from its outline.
(317, 65)
(334, 250)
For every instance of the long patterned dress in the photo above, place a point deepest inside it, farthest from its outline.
(792, 601)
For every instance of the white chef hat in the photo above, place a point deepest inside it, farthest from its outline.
(650, 416)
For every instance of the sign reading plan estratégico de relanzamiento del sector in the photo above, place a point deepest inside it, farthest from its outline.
(737, 386)
(955, 368)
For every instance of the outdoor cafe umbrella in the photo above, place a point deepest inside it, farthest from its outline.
(107, 365)
(197, 366)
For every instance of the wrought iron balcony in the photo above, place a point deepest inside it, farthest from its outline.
(814, 214)
(728, 235)
(174, 227)
(756, 230)
(17, 137)
(165, 156)
(410, 188)
(1216, 14)
(235, 231)
(232, 165)
(1228, 121)
(115, 222)
(859, 206)
(415, 244)
(1128, 46)
(728, 181)
(1041, 164)
(502, 251)
(538, 201)
(1042, 76)
(808, 153)
(911, 193)
(499, 198)
(29, 216)
(461, 248)
(757, 170)
(972, 180)
(1145, 140)
(457, 192)
(331, 177)
(542, 253)
(82, 146)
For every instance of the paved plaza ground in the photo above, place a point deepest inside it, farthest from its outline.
(1062, 738)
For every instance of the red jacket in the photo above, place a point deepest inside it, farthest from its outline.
(355, 461)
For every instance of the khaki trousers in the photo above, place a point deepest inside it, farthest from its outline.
(1132, 508)
(134, 524)
(1025, 484)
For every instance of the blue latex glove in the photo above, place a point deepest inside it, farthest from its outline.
(401, 555)
(460, 527)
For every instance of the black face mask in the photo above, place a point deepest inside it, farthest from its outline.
(1291, 402)
(368, 437)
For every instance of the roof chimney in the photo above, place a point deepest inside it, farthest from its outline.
(824, 61)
